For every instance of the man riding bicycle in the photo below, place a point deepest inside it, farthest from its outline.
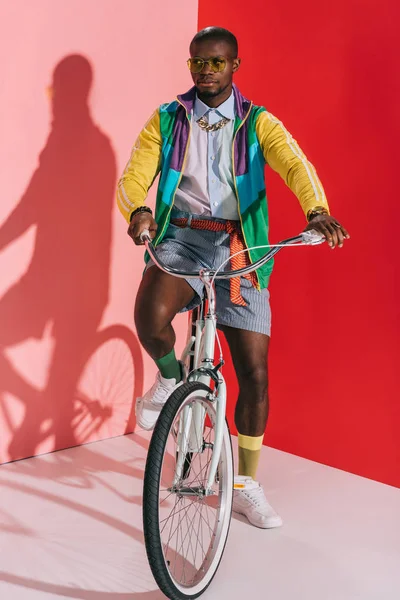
(210, 146)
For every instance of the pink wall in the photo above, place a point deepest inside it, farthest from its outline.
(70, 363)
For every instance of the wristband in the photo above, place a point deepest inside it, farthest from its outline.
(316, 211)
(140, 210)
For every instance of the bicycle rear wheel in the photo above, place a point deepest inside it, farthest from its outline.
(185, 531)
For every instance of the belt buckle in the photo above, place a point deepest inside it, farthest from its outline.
(189, 221)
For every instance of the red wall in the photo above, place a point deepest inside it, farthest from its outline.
(330, 73)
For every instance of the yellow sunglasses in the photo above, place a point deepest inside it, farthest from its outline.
(217, 64)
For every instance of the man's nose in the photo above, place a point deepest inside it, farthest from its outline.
(206, 68)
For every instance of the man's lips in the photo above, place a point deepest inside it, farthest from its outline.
(206, 81)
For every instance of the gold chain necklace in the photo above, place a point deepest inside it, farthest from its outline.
(204, 124)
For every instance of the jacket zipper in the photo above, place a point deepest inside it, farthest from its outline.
(236, 189)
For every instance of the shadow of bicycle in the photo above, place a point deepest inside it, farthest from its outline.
(79, 594)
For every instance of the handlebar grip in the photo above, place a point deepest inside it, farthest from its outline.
(145, 236)
(312, 237)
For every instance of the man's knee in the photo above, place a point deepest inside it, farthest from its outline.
(151, 319)
(159, 299)
(254, 378)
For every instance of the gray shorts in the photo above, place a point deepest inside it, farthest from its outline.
(192, 249)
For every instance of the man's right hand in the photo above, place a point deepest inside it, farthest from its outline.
(140, 222)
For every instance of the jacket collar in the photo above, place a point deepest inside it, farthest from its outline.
(242, 104)
(226, 109)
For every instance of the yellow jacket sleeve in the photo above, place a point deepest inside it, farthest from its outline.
(284, 156)
(142, 168)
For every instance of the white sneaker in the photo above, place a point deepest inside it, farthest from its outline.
(149, 406)
(249, 500)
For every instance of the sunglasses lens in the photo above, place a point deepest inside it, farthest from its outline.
(195, 65)
(217, 64)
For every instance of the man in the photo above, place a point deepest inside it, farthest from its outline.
(210, 147)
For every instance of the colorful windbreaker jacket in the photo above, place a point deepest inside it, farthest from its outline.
(259, 139)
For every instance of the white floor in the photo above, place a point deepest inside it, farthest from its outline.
(70, 527)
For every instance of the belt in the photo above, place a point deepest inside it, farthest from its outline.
(236, 244)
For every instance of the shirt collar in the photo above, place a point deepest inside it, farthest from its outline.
(226, 109)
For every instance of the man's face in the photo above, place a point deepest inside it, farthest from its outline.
(207, 82)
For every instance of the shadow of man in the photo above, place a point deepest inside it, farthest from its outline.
(70, 199)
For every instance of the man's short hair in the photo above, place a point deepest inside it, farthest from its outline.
(217, 34)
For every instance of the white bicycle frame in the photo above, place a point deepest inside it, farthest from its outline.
(200, 347)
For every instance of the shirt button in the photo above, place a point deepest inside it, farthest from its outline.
(213, 158)
(215, 203)
(212, 180)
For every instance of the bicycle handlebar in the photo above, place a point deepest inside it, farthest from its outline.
(306, 238)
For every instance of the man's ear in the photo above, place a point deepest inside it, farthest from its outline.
(236, 64)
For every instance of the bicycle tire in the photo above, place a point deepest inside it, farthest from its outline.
(152, 477)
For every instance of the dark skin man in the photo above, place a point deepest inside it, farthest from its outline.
(162, 296)
(211, 202)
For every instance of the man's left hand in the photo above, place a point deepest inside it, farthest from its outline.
(330, 228)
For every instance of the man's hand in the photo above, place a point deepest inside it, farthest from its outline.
(330, 228)
(139, 223)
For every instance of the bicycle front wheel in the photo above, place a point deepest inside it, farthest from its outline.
(185, 531)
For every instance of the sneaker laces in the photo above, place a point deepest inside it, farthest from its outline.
(257, 497)
(160, 390)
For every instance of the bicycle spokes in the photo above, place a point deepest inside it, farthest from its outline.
(189, 517)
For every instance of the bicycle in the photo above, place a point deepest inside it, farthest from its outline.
(189, 480)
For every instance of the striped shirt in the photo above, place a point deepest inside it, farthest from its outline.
(207, 186)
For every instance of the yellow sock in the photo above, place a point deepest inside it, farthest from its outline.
(249, 454)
